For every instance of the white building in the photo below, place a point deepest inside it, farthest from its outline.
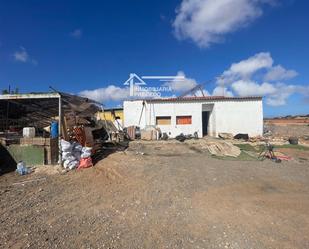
(205, 115)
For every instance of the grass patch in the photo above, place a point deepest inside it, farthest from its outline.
(292, 146)
(242, 157)
(249, 147)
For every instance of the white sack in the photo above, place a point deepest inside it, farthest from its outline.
(66, 146)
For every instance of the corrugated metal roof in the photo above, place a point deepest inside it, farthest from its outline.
(205, 98)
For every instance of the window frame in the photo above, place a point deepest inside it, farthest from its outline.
(162, 118)
(183, 116)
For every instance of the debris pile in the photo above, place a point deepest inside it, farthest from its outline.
(151, 133)
(225, 135)
(242, 136)
(293, 140)
(217, 147)
(75, 156)
(181, 137)
(222, 148)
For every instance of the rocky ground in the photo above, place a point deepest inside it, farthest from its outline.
(288, 130)
(159, 195)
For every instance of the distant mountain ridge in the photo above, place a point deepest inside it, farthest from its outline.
(291, 117)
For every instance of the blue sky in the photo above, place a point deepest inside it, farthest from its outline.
(257, 47)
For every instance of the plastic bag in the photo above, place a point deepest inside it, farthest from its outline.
(86, 150)
(69, 158)
(66, 155)
(77, 147)
(70, 164)
(66, 146)
(77, 155)
(73, 153)
(85, 163)
(22, 169)
(73, 164)
(66, 164)
(85, 154)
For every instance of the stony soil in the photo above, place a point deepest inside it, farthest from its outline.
(288, 130)
(159, 195)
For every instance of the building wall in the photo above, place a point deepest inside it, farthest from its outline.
(174, 110)
(232, 116)
(244, 116)
(137, 115)
(132, 111)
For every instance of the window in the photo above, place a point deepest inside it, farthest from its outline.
(183, 120)
(163, 120)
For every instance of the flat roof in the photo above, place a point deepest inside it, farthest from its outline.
(203, 98)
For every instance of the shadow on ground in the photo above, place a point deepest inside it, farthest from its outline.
(7, 162)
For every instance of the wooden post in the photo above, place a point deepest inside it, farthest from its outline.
(59, 131)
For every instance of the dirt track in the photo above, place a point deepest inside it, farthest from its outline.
(159, 195)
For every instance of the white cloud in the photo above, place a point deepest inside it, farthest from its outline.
(109, 93)
(257, 76)
(252, 64)
(280, 73)
(22, 56)
(276, 94)
(282, 94)
(245, 68)
(207, 21)
(239, 80)
(250, 88)
(200, 94)
(222, 91)
(77, 33)
(181, 85)
(115, 93)
(278, 99)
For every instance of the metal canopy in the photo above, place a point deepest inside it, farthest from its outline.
(30, 96)
(40, 108)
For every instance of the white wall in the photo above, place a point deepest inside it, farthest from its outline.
(177, 109)
(242, 116)
(131, 112)
(232, 116)
(133, 109)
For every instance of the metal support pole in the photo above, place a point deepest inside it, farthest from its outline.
(59, 131)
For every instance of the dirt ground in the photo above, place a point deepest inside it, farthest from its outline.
(159, 195)
(287, 130)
